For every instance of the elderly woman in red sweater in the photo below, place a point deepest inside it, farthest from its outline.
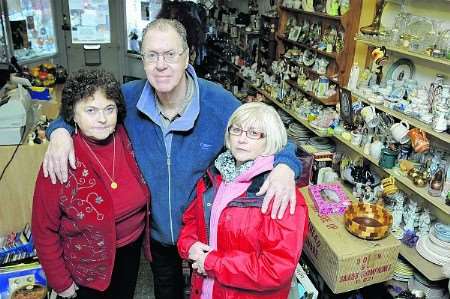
(237, 251)
(88, 232)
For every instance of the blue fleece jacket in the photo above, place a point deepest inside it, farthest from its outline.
(172, 177)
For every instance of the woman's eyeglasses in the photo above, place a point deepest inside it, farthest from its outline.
(250, 133)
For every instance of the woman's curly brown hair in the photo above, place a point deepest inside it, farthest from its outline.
(83, 84)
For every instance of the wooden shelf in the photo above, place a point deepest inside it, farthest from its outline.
(311, 13)
(429, 270)
(331, 101)
(310, 70)
(412, 121)
(332, 55)
(442, 61)
(291, 113)
(420, 191)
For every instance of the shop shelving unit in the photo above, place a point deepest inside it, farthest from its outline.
(340, 63)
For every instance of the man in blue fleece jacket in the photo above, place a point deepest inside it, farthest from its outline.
(176, 123)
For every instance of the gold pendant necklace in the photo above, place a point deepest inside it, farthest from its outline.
(114, 184)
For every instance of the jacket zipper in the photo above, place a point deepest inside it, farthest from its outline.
(170, 196)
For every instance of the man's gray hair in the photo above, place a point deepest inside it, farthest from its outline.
(164, 24)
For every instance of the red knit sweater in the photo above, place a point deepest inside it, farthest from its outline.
(74, 224)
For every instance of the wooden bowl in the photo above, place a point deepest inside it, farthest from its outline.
(367, 221)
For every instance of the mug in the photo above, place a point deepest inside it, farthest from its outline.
(400, 132)
(388, 158)
(370, 116)
(356, 137)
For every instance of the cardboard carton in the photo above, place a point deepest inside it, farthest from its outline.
(344, 261)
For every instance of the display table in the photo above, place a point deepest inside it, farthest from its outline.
(344, 261)
(17, 184)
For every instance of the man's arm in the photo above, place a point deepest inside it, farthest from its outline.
(280, 184)
(60, 149)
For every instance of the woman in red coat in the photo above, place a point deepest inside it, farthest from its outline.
(237, 251)
(88, 232)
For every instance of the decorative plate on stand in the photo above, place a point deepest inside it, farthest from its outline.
(401, 70)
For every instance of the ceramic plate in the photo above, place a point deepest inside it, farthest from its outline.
(401, 70)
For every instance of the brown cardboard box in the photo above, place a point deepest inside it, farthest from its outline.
(344, 261)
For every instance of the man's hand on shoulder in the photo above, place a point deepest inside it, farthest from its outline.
(60, 149)
(279, 187)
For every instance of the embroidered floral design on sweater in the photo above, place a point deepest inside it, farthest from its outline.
(79, 205)
(90, 245)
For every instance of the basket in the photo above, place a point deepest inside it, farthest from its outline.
(367, 221)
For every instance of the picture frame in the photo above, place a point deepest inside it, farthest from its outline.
(328, 205)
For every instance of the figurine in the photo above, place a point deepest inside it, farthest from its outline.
(30, 138)
(374, 28)
(397, 212)
(379, 59)
(410, 216)
(424, 223)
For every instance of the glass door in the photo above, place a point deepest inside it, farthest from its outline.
(91, 40)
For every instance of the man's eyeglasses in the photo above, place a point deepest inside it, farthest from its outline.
(169, 56)
(250, 133)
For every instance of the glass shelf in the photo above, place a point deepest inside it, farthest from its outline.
(442, 61)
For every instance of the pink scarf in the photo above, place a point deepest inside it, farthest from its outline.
(226, 193)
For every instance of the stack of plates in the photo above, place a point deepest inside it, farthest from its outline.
(402, 271)
(322, 144)
(432, 290)
(286, 118)
(436, 246)
(298, 133)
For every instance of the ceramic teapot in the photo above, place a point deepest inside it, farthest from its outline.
(400, 132)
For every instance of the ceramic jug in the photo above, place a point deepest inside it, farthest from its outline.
(400, 132)
(375, 149)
